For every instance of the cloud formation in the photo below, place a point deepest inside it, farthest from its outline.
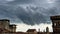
(29, 11)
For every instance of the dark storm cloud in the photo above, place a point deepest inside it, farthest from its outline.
(22, 11)
(20, 2)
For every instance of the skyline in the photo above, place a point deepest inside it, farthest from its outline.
(29, 12)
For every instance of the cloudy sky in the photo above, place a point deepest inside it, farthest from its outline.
(29, 13)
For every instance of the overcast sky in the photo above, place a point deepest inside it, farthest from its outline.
(29, 12)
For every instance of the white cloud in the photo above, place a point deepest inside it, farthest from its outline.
(9, 0)
(5, 1)
(24, 27)
(51, 1)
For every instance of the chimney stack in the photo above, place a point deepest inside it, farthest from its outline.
(47, 29)
(38, 30)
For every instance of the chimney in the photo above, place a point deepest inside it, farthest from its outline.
(38, 30)
(47, 29)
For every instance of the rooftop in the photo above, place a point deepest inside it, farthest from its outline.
(55, 17)
(31, 30)
(4, 20)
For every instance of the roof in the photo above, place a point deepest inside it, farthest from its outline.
(55, 17)
(4, 20)
(31, 30)
(12, 25)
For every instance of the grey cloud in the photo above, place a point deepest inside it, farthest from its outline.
(20, 2)
(27, 14)
(5, 1)
(36, 17)
(39, 14)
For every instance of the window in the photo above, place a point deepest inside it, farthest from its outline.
(58, 23)
(54, 24)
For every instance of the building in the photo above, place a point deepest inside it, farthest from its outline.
(12, 27)
(55, 24)
(6, 26)
(4, 23)
(31, 31)
(47, 31)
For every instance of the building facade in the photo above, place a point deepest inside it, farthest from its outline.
(55, 24)
(6, 26)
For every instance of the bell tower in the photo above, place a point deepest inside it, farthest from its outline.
(55, 24)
